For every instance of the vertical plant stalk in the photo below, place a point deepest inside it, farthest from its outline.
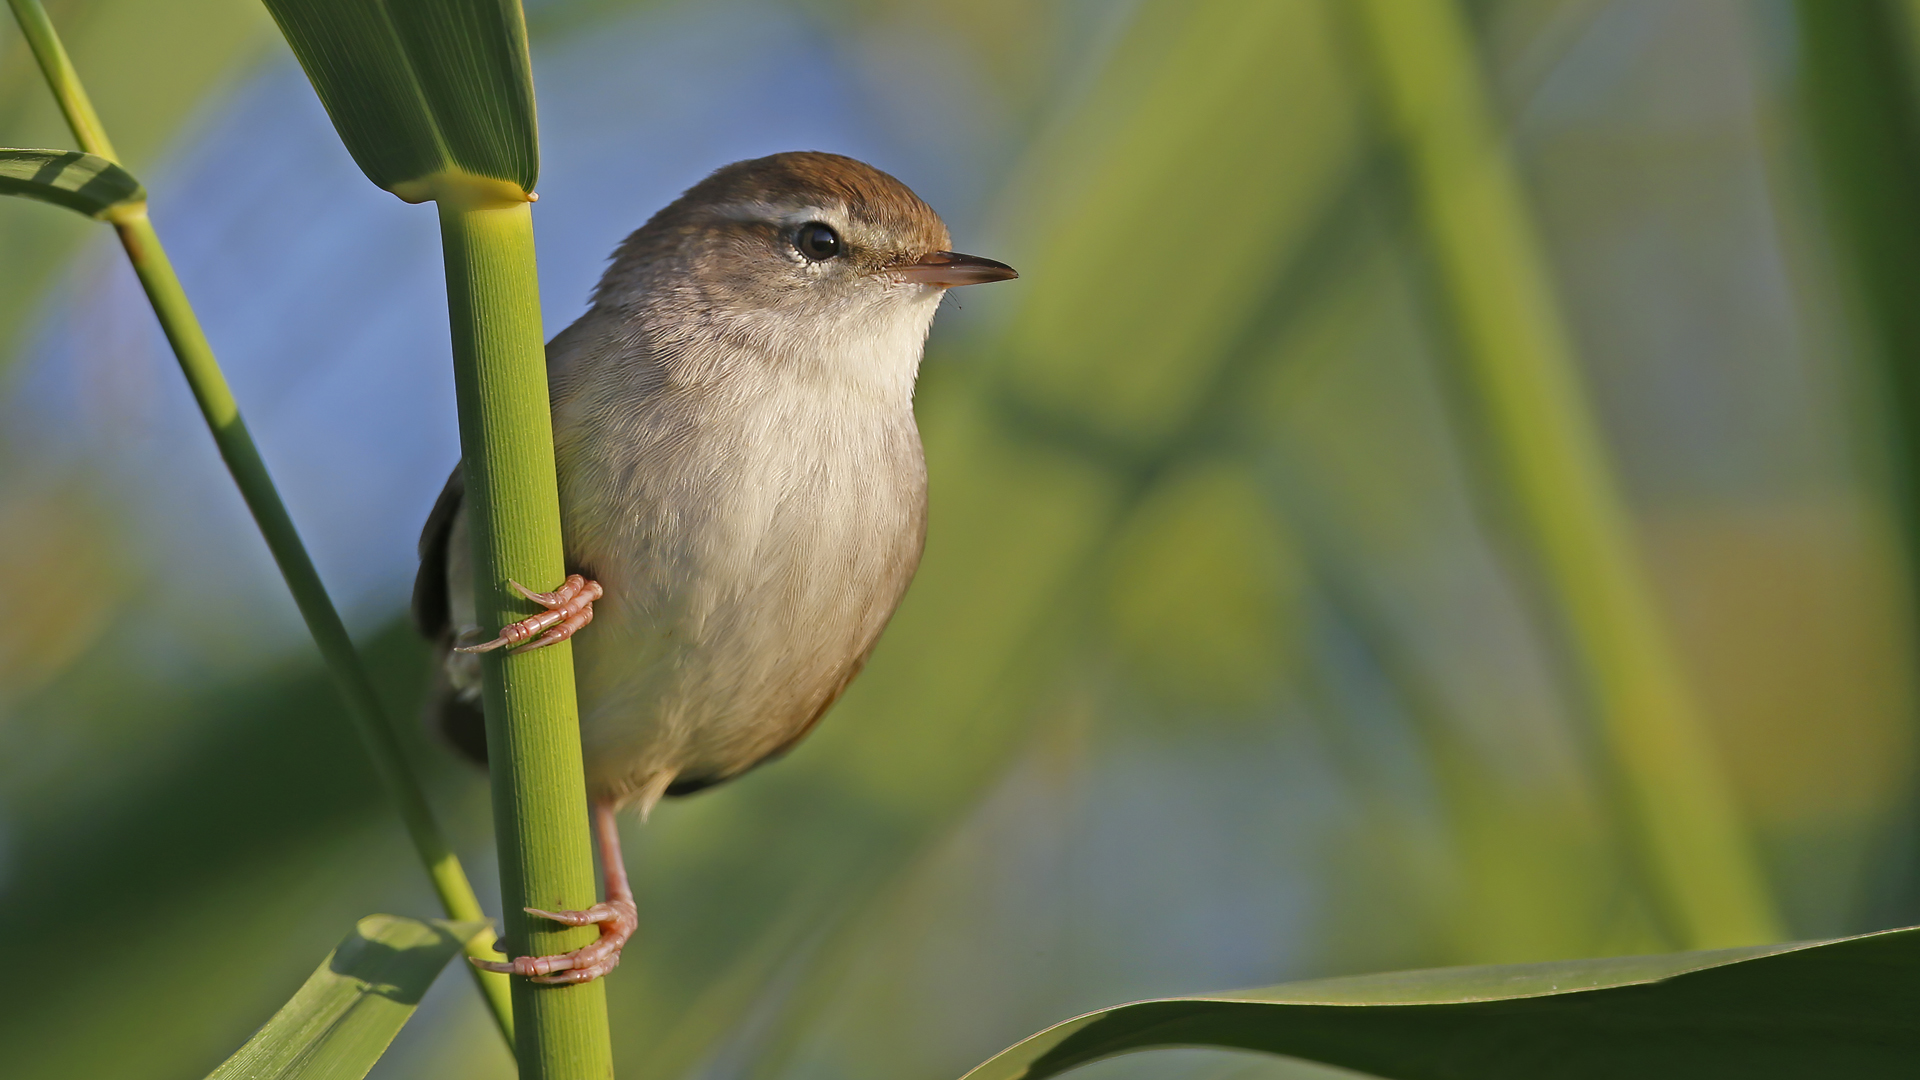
(435, 102)
(237, 449)
(513, 514)
(1862, 101)
(1519, 365)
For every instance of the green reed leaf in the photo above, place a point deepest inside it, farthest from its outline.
(1823, 1008)
(424, 94)
(78, 181)
(343, 1018)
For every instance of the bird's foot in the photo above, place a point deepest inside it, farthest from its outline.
(569, 608)
(616, 919)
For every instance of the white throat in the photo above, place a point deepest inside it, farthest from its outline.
(869, 349)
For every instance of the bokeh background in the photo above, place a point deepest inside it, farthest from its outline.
(1227, 664)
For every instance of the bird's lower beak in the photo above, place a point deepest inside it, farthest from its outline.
(950, 268)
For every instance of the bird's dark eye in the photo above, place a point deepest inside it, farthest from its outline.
(817, 241)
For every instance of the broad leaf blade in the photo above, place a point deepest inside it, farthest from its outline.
(342, 1019)
(91, 185)
(1849, 1007)
(422, 89)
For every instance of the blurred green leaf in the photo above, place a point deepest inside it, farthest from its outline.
(91, 185)
(1204, 594)
(424, 94)
(1168, 138)
(1832, 1008)
(340, 1022)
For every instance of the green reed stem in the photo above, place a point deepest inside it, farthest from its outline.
(513, 513)
(1519, 366)
(62, 79)
(250, 475)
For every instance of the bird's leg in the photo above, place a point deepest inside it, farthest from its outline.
(569, 608)
(616, 917)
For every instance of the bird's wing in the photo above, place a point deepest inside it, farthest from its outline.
(455, 715)
(432, 609)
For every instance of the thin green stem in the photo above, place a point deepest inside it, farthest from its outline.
(533, 733)
(237, 448)
(62, 79)
(1519, 366)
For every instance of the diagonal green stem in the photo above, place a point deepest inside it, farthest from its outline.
(249, 472)
(1519, 366)
(62, 79)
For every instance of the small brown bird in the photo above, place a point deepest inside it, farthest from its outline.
(742, 492)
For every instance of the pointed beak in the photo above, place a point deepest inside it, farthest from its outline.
(948, 269)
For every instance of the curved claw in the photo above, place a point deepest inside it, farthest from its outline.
(561, 595)
(617, 920)
(569, 608)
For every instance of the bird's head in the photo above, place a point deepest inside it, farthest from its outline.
(799, 252)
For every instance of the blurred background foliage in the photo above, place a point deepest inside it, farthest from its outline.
(1224, 667)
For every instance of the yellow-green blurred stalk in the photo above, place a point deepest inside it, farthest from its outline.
(1519, 366)
(1861, 93)
(243, 460)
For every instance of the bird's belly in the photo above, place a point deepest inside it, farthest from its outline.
(721, 638)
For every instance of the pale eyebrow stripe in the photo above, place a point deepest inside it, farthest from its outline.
(782, 212)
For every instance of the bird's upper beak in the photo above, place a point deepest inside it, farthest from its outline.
(950, 268)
